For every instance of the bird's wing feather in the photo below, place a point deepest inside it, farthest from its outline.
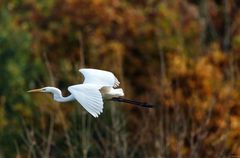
(89, 97)
(100, 77)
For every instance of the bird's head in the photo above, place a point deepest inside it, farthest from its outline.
(45, 90)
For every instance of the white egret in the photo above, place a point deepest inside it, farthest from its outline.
(97, 85)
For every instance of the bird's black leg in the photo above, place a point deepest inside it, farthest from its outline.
(141, 104)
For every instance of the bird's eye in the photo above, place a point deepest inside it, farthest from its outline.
(43, 89)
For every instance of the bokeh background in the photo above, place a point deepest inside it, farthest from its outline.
(182, 55)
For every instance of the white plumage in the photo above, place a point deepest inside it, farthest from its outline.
(97, 85)
(89, 97)
(99, 77)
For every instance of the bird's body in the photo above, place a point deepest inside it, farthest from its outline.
(97, 86)
(106, 92)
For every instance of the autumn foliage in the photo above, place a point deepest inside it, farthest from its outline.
(182, 56)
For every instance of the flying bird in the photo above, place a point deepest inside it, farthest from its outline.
(98, 85)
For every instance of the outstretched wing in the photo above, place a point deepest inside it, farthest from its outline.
(89, 97)
(99, 77)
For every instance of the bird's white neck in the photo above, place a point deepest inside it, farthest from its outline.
(57, 96)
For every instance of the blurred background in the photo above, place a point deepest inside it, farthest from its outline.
(182, 55)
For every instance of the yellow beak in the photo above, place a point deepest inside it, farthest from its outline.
(34, 90)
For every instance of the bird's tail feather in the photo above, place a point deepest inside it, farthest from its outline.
(141, 104)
